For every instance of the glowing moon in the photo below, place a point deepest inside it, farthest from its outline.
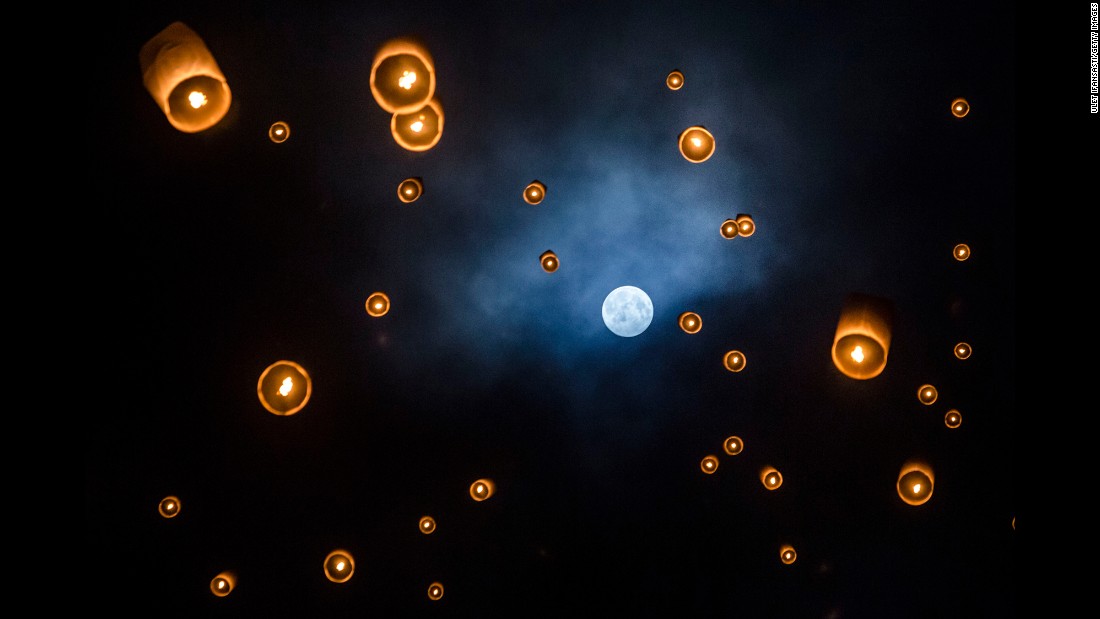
(627, 311)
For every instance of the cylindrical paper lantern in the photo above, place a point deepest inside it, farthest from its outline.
(402, 76)
(184, 79)
(419, 129)
(862, 340)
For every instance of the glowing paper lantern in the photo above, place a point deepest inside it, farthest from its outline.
(862, 340)
(963, 350)
(771, 478)
(420, 129)
(690, 322)
(549, 261)
(427, 525)
(960, 107)
(378, 303)
(787, 554)
(410, 189)
(733, 445)
(184, 79)
(675, 80)
(222, 584)
(435, 591)
(729, 229)
(915, 483)
(927, 394)
(402, 76)
(284, 388)
(278, 132)
(534, 192)
(953, 419)
(961, 252)
(709, 464)
(482, 489)
(745, 225)
(734, 361)
(696, 144)
(339, 566)
(169, 507)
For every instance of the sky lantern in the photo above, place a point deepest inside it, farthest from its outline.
(862, 340)
(709, 464)
(927, 394)
(771, 478)
(729, 229)
(963, 350)
(915, 483)
(549, 261)
(960, 107)
(410, 189)
(419, 129)
(402, 76)
(696, 144)
(675, 80)
(377, 304)
(745, 225)
(734, 360)
(482, 489)
(427, 525)
(278, 132)
(169, 507)
(690, 322)
(534, 192)
(953, 419)
(284, 388)
(184, 79)
(961, 252)
(733, 445)
(435, 591)
(339, 566)
(223, 584)
(787, 554)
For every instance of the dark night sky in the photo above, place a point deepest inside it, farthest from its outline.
(225, 252)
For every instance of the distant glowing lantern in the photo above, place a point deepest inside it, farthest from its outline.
(927, 394)
(953, 419)
(734, 360)
(745, 225)
(963, 350)
(169, 507)
(339, 566)
(862, 340)
(709, 464)
(534, 192)
(690, 322)
(402, 76)
(961, 252)
(420, 129)
(184, 79)
(435, 591)
(733, 445)
(729, 229)
(787, 554)
(410, 189)
(960, 107)
(222, 584)
(675, 80)
(771, 478)
(915, 483)
(378, 303)
(696, 144)
(482, 489)
(278, 132)
(427, 525)
(284, 388)
(549, 261)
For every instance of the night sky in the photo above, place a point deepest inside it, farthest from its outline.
(224, 252)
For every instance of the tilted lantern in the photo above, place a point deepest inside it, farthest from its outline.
(284, 388)
(745, 225)
(915, 483)
(223, 584)
(787, 554)
(771, 478)
(169, 507)
(696, 144)
(482, 489)
(410, 189)
(549, 261)
(435, 591)
(339, 566)
(184, 79)
(419, 129)
(960, 107)
(862, 340)
(402, 76)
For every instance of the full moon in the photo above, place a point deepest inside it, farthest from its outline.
(627, 311)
